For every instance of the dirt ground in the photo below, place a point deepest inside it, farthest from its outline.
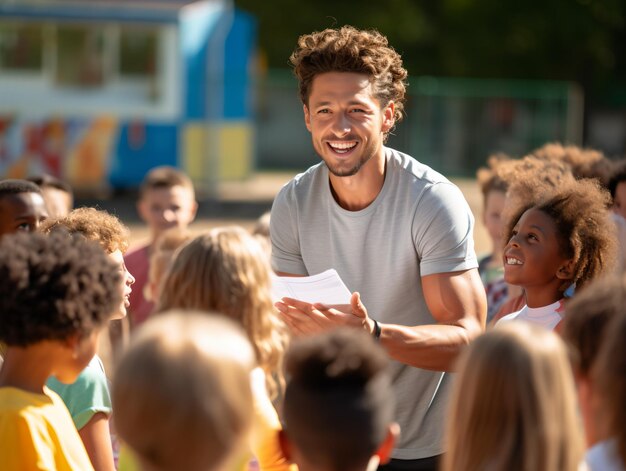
(241, 203)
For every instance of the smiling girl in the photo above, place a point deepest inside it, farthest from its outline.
(567, 239)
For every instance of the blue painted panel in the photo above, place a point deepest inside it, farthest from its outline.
(141, 147)
(240, 48)
(195, 32)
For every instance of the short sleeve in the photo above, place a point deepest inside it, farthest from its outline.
(87, 396)
(442, 229)
(286, 253)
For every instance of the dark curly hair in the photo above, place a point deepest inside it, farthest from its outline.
(584, 227)
(53, 287)
(93, 224)
(348, 49)
(618, 176)
(15, 187)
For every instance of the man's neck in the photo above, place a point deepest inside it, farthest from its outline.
(358, 191)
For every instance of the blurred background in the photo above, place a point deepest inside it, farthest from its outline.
(98, 92)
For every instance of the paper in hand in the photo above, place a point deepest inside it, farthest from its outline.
(325, 288)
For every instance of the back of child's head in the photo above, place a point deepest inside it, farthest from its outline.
(165, 177)
(513, 404)
(58, 194)
(338, 406)
(584, 163)
(584, 228)
(226, 270)
(609, 378)
(182, 394)
(587, 316)
(93, 224)
(617, 176)
(54, 287)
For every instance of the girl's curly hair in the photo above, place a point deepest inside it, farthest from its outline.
(53, 287)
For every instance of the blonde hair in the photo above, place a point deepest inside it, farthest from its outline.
(182, 393)
(513, 406)
(227, 271)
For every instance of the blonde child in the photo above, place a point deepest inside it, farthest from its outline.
(166, 200)
(57, 293)
(566, 239)
(182, 391)
(609, 377)
(513, 405)
(88, 398)
(227, 271)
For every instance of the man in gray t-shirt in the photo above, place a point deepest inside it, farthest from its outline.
(397, 232)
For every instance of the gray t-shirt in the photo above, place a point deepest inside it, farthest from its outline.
(419, 224)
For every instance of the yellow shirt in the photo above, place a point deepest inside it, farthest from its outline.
(37, 433)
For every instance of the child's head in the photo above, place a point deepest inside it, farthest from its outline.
(57, 194)
(566, 238)
(22, 207)
(182, 393)
(493, 188)
(166, 200)
(226, 270)
(57, 289)
(513, 404)
(587, 315)
(105, 229)
(617, 187)
(338, 410)
(609, 376)
(162, 255)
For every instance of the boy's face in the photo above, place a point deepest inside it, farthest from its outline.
(127, 280)
(164, 208)
(492, 216)
(22, 212)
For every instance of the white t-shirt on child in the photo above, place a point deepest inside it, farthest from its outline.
(545, 316)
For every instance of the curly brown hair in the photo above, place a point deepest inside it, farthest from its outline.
(93, 224)
(53, 287)
(488, 177)
(585, 163)
(584, 227)
(348, 49)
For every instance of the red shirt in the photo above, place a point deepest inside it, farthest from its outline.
(138, 263)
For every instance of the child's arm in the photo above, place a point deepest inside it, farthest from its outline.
(97, 440)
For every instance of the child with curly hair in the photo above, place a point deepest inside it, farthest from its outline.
(88, 398)
(57, 293)
(22, 207)
(566, 239)
(227, 270)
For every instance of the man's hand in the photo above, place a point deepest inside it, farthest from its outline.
(304, 318)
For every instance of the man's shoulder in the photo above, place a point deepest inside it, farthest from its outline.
(413, 170)
(304, 183)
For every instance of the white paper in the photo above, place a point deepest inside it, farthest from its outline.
(325, 288)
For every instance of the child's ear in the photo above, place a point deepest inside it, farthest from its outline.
(72, 343)
(386, 447)
(566, 271)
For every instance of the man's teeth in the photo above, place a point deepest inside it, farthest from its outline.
(342, 147)
(513, 261)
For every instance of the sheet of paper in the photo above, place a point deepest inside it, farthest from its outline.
(326, 288)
